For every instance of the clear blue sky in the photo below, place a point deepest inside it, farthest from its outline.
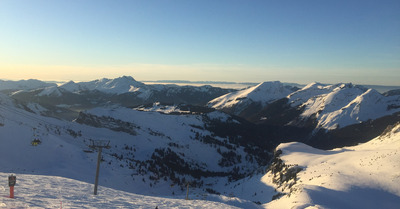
(232, 40)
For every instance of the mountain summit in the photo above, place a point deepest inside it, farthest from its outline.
(262, 94)
(119, 85)
(340, 105)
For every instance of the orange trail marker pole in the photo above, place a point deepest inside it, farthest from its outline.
(11, 191)
(11, 183)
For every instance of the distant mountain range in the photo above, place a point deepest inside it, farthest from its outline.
(201, 82)
(313, 107)
(164, 137)
(379, 88)
(324, 109)
(68, 99)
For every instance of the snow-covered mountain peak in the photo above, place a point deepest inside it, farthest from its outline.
(370, 105)
(302, 95)
(121, 81)
(269, 84)
(370, 94)
(126, 78)
(119, 85)
(71, 86)
(24, 84)
(264, 93)
(323, 106)
(68, 83)
(52, 90)
(341, 105)
(344, 85)
(314, 85)
(316, 90)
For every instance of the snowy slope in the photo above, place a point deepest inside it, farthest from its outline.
(154, 130)
(71, 86)
(363, 176)
(39, 191)
(126, 165)
(54, 155)
(51, 91)
(158, 107)
(340, 105)
(144, 132)
(263, 93)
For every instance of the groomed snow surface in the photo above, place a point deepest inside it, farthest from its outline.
(363, 176)
(38, 191)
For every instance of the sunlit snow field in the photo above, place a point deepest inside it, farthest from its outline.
(38, 191)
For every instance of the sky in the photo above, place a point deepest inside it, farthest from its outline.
(327, 41)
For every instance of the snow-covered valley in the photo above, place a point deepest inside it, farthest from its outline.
(63, 155)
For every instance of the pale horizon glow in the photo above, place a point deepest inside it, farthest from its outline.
(193, 73)
(312, 41)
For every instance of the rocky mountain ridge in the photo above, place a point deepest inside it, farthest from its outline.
(67, 100)
(318, 106)
(278, 112)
